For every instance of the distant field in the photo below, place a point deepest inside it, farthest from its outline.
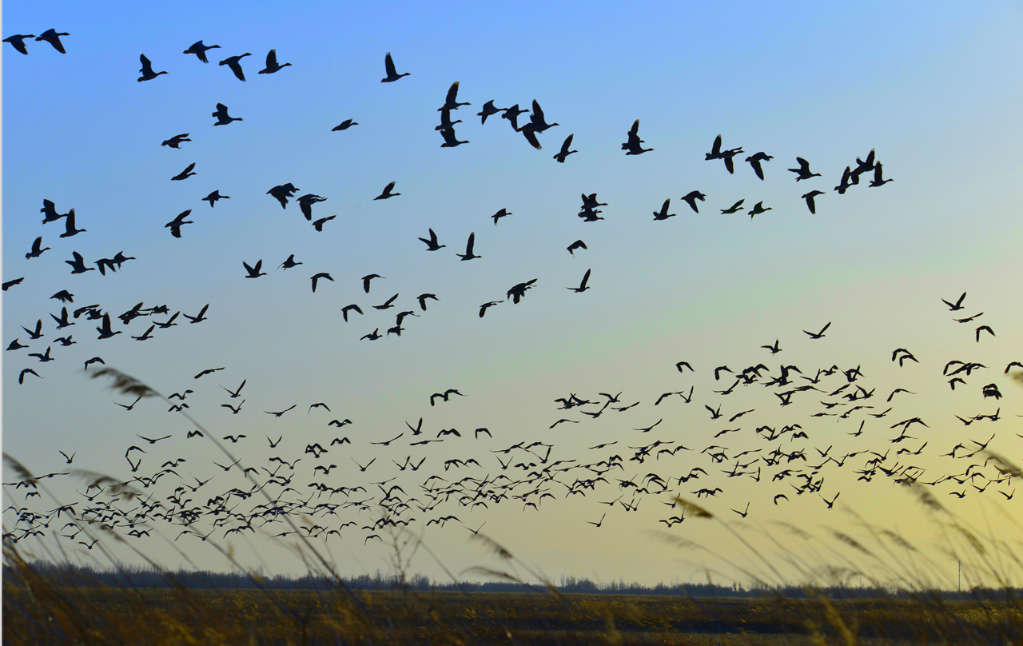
(150, 616)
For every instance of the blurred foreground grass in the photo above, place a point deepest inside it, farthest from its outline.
(46, 610)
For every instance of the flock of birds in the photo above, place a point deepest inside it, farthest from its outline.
(330, 492)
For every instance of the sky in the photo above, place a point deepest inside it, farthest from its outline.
(928, 86)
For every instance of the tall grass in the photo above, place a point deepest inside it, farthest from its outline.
(912, 600)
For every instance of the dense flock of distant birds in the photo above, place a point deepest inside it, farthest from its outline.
(789, 459)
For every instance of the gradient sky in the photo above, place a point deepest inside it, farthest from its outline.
(932, 87)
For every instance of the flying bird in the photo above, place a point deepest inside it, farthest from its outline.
(958, 305)
(77, 265)
(755, 160)
(563, 154)
(388, 304)
(235, 63)
(692, 197)
(431, 243)
(757, 209)
(387, 192)
(147, 70)
(69, 225)
(37, 249)
(254, 270)
(320, 275)
(18, 42)
(214, 196)
(289, 263)
(176, 140)
(488, 110)
(469, 255)
(344, 125)
(51, 36)
(735, 208)
(582, 286)
(223, 118)
(663, 213)
(185, 174)
(271, 64)
(200, 50)
(348, 308)
(366, 279)
(820, 334)
(803, 172)
(392, 74)
(809, 200)
(178, 222)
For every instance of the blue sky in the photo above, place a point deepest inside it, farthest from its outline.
(929, 86)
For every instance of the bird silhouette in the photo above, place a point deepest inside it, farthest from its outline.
(176, 141)
(320, 275)
(431, 243)
(757, 209)
(469, 255)
(692, 197)
(214, 196)
(78, 264)
(488, 110)
(755, 161)
(879, 179)
(178, 222)
(271, 64)
(809, 200)
(388, 304)
(818, 335)
(451, 100)
(735, 208)
(51, 36)
(422, 298)
(289, 263)
(235, 63)
(37, 249)
(344, 125)
(185, 174)
(563, 154)
(237, 393)
(958, 305)
(26, 371)
(450, 140)
(253, 271)
(582, 286)
(69, 225)
(386, 193)
(392, 74)
(348, 308)
(223, 118)
(536, 118)
(147, 70)
(201, 316)
(18, 42)
(803, 172)
(578, 244)
(366, 280)
(663, 213)
(200, 50)
(633, 146)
